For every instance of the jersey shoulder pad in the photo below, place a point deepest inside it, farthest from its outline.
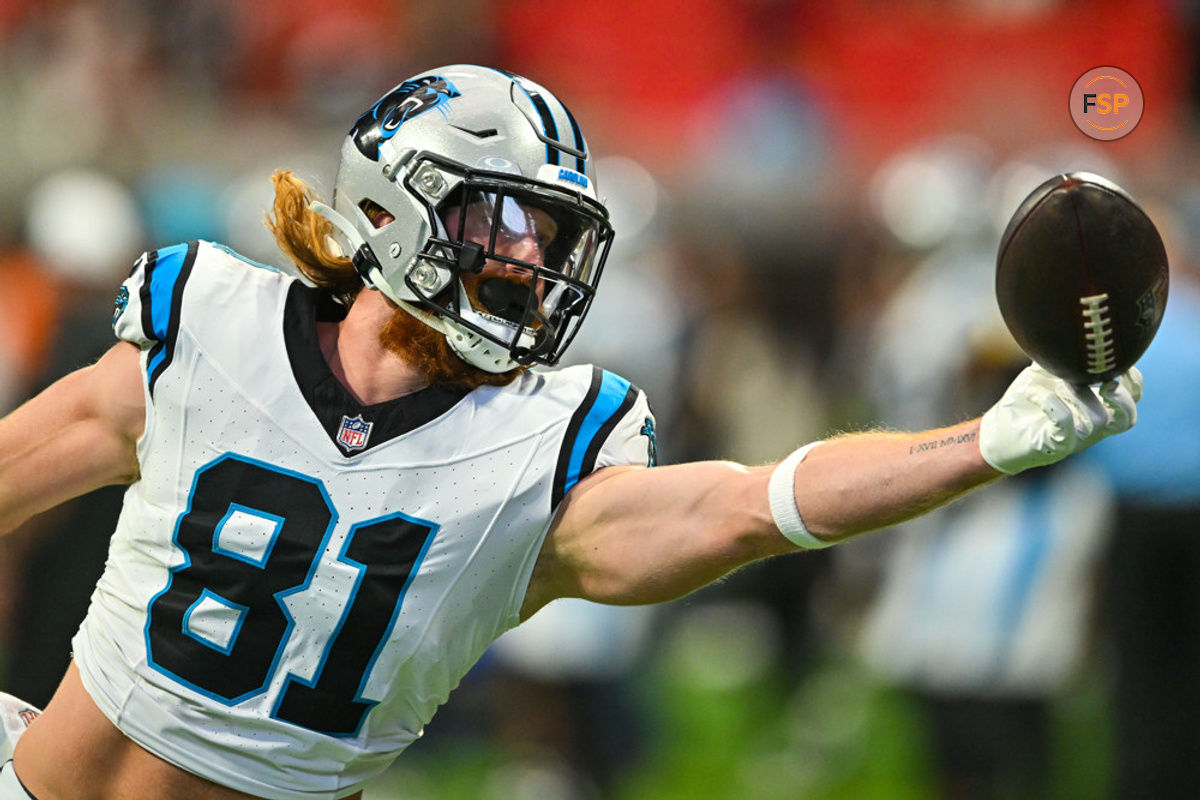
(611, 425)
(151, 304)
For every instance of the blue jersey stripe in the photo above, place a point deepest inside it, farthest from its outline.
(558, 490)
(613, 389)
(162, 286)
(158, 354)
(163, 291)
(592, 453)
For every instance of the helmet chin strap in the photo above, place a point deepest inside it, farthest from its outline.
(472, 348)
(476, 350)
(362, 256)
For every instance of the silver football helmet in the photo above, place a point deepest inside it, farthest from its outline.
(468, 171)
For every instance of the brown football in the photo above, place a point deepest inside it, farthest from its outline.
(1081, 277)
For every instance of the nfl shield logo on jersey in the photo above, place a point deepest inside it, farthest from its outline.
(354, 432)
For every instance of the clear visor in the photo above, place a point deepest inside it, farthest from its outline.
(521, 259)
(548, 248)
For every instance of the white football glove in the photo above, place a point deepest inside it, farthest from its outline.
(1042, 419)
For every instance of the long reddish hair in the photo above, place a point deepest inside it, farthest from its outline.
(304, 236)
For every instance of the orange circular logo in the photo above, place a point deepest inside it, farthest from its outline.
(1106, 103)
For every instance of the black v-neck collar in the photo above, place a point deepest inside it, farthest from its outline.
(348, 422)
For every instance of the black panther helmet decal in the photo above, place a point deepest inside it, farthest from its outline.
(406, 101)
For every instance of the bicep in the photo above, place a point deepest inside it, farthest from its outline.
(632, 535)
(78, 435)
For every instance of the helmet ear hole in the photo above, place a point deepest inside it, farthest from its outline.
(378, 215)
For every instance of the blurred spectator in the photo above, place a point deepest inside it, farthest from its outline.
(756, 226)
(983, 608)
(637, 322)
(752, 379)
(85, 230)
(983, 614)
(27, 325)
(1153, 596)
(562, 696)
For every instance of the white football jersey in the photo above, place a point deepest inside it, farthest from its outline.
(298, 581)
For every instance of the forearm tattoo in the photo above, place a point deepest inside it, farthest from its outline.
(934, 444)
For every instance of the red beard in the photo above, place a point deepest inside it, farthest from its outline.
(428, 351)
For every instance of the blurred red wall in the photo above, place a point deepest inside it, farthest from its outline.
(887, 73)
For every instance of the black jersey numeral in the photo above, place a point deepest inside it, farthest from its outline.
(245, 586)
(386, 551)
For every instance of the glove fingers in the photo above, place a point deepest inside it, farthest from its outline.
(1088, 411)
(1119, 400)
(1133, 380)
(1061, 417)
(1042, 418)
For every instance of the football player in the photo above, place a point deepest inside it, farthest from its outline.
(342, 489)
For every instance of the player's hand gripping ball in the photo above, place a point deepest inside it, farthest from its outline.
(1081, 278)
(1042, 418)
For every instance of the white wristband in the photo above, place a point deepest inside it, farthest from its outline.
(781, 494)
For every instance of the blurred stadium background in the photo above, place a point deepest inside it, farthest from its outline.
(808, 197)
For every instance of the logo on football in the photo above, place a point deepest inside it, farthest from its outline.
(1081, 278)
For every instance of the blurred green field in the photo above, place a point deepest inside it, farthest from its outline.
(837, 735)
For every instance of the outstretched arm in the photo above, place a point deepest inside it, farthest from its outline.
(77, 435)
(631, 535)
